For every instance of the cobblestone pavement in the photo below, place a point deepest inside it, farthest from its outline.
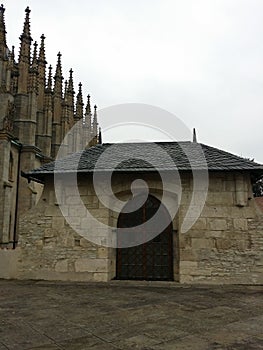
(124, 315)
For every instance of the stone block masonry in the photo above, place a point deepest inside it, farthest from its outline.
(225, 244)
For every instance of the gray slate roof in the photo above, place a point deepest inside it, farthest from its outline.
(128, 157)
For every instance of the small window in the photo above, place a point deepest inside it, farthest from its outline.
(11, 167)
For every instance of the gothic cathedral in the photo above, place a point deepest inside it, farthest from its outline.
(36, 112)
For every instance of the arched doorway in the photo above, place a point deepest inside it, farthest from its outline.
(152, 260)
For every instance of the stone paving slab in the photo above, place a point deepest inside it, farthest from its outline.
(39, 315)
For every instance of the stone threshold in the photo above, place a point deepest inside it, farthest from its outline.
(135, 283)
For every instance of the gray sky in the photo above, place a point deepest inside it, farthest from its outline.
(201, 60)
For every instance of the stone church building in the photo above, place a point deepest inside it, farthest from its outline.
(197, 222)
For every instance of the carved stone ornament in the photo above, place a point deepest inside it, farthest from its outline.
(9, 118)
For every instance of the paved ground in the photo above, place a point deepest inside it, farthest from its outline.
(121, 315)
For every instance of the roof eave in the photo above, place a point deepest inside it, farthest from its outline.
(39, 177)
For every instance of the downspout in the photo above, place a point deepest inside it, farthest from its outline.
(17, 193)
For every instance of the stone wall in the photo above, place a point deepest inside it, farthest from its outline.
(223, 246)
(9, 154)
(51, 249)
(14, 159)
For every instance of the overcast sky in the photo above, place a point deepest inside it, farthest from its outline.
(201, 60)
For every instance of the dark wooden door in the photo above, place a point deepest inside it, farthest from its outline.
(152, 260)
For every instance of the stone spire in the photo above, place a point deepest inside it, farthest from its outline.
(49, 80)
(57, 109)
(48, 88)
(25, 38)
(33, 73)
(95, 122)
(58, 67)
(78, 120)
(5, 64)
(12, 55)
(15, 73)
(42, 54)
(87, 117)
(88, 108)
(41, 69)
(70, 82)
(79, 104)
(70, 98)
(3, 45)
(65, 90)
(58, 78)
(40, 63)
(45, 136)
(86, 130)
(34, 59)
(24, 56)
(67, 121)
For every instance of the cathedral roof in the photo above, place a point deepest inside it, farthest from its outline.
(148, 157)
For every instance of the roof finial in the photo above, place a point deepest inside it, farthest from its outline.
(100, 137)
(194, 136)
